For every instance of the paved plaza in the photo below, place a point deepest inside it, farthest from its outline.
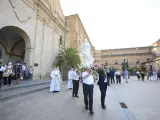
(141, 98)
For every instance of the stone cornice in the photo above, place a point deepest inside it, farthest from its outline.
(131, 54)
(45, 14)
(48, 15)
(30, 3)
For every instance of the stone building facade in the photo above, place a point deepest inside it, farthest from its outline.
(97, 58)
(76, 33)
(155, 62)
(115, 57)
(31, 32)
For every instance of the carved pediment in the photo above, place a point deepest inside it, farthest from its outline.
(22, 11)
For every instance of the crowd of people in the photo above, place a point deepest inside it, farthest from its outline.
(88, 77)
(9, 72)
(150, 74)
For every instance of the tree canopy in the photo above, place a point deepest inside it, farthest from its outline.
(67, 57)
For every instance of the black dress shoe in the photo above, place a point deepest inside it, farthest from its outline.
(104, 107)
(86, 108)
(77, 96)
(54, 91)
(91, 112)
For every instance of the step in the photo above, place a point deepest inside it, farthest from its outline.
(15, 91)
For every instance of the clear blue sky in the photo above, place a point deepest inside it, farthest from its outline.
(117, 23)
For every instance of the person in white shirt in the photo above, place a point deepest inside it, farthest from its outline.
(24, 71)
(75, 83)
(88, 86)
(138, 75)
(118, 76)
(70, 79)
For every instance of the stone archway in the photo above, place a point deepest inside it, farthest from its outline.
(15, 44)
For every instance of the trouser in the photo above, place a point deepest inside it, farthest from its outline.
(103, 89)
(5, 80)
(112, 80)
(30, 75)
(118, 79)
(24, 74)
(10, 80)
(1, 73)
(142, 77)
(158, 78)
(108, 81)
(138, 76)
(88, 92)
(75, 87)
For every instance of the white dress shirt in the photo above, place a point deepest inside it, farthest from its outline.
(75, 75)
(137, 72)
(117, 73)
(23, 67)
(89, 80)
(105, 80)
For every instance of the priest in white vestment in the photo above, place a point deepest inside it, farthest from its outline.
(70, 79)
(56, 81)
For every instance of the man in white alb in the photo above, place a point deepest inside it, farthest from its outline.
(70, 79)
(56, 81)
(88, 86)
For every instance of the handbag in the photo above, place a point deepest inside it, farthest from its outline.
(5, 75)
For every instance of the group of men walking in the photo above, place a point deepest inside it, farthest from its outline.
(88, 85)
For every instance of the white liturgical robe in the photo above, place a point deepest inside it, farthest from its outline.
(56, 80)
(70, 79)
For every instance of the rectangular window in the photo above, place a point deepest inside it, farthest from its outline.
(61, 40)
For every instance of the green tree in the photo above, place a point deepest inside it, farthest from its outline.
(67, 57)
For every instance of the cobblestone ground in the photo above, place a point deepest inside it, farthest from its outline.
(142, 99)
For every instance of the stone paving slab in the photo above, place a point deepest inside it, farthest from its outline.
(60, 106)
(141, 97)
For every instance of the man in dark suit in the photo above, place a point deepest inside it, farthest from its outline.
(102, 85)
(108, 76)
(112, 76)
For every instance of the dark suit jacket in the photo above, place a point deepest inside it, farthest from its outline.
(102, 76)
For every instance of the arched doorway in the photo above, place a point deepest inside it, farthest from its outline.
(13, 44)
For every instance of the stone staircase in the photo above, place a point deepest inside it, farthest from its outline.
(9, 92)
